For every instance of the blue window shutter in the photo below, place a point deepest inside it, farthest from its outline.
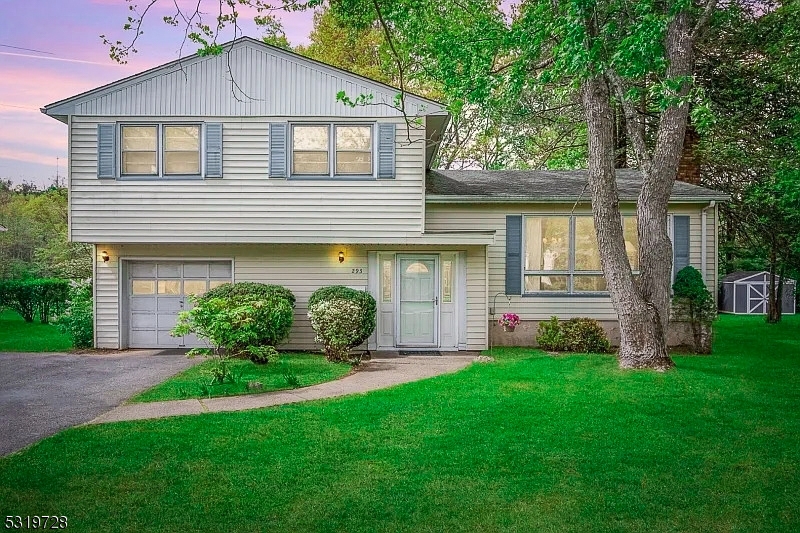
(107, 151)
(213, 150)
(514, 254)
(680, 242)
(278, 150)
(386, 151)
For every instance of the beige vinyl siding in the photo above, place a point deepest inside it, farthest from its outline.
(245, 206)
(448, 217)
(301, 268)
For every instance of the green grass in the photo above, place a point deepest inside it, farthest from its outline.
(528, 443)
(16, 335)
(308, 369)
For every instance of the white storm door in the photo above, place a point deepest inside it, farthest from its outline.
(418, 301)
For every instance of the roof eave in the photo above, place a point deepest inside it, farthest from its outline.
(472, 199)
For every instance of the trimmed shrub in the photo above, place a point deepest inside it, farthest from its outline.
(243, 326)
(280, 319)
(342, 319)
(582, 335)
(249, 289)
(693, 303)
(549, 336)
(35, 297)
(585, 335)
(77, 321)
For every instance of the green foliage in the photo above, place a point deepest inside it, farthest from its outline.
(342, 319)
(579, 335)
(77, 321)
(585, 335)
(247, 289)
(237, 325)
(262, 354)
(35, 243)
(38, 297)
(693, 303)
(550, 336)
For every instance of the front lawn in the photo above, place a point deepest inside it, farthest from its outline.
(16, 335)
(528, 443)
(289, 371)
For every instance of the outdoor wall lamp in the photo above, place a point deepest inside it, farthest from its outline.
(104, 256)
(341, 257)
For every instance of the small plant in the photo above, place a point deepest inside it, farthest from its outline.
(291, 380)
(693, 303)
(585, 335)
(342, 319)
(549, 336)
(77, 321)
(262, 354)
(582, 335)
(509, 320)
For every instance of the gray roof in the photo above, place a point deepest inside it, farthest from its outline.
(736, 276)
(543, 186)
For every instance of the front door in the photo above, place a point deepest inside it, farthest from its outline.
(418, 302)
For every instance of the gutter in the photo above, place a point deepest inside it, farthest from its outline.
(468, 199)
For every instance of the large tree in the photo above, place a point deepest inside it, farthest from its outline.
(637, 57)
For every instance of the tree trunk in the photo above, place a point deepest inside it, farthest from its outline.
(642, 326)
(774, 310)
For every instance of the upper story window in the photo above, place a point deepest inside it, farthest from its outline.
(139, 150)
(156, 150)
(561, 254)
(182, 150)
(332, 150)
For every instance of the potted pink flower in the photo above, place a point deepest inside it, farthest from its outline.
(509, 321)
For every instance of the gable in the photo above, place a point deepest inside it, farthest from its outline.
(249, 78)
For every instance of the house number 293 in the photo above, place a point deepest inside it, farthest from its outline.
(357, 271)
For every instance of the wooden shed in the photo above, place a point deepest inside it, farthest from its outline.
(747, 293)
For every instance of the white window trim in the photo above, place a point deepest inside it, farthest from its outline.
(570, 273)
(332, 151)
(161, 174)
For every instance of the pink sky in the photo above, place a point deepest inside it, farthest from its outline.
(73, 59)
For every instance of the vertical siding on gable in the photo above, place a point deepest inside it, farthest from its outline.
(444, 217)
(245, 205)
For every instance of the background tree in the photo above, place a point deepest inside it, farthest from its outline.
(750, 73)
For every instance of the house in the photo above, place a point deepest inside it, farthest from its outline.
(747, 293)
(246, 167)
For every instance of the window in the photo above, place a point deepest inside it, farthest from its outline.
(182, 150)
(352, 147)
(561, 254)
(139, 150)
(160, 150)
(310, 147)
(353, 150)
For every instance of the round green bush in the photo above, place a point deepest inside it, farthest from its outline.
(582, 335)
(342, 319)
(585, 335)
(250, 289)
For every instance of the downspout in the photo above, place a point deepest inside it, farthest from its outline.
(703, 238)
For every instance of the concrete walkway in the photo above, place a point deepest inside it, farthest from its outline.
(382, 371)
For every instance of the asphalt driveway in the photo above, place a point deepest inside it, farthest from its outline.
(42, 394)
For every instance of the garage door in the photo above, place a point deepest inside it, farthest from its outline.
(157, 291)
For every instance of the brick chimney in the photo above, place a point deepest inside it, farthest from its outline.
(689, 166)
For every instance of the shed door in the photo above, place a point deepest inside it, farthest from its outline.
(757, 298)
(157, 291)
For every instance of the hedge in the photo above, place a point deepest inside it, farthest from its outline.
(35, 297)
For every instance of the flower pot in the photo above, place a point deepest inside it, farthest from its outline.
(508, 329)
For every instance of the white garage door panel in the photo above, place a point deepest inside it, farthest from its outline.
(156, 291)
